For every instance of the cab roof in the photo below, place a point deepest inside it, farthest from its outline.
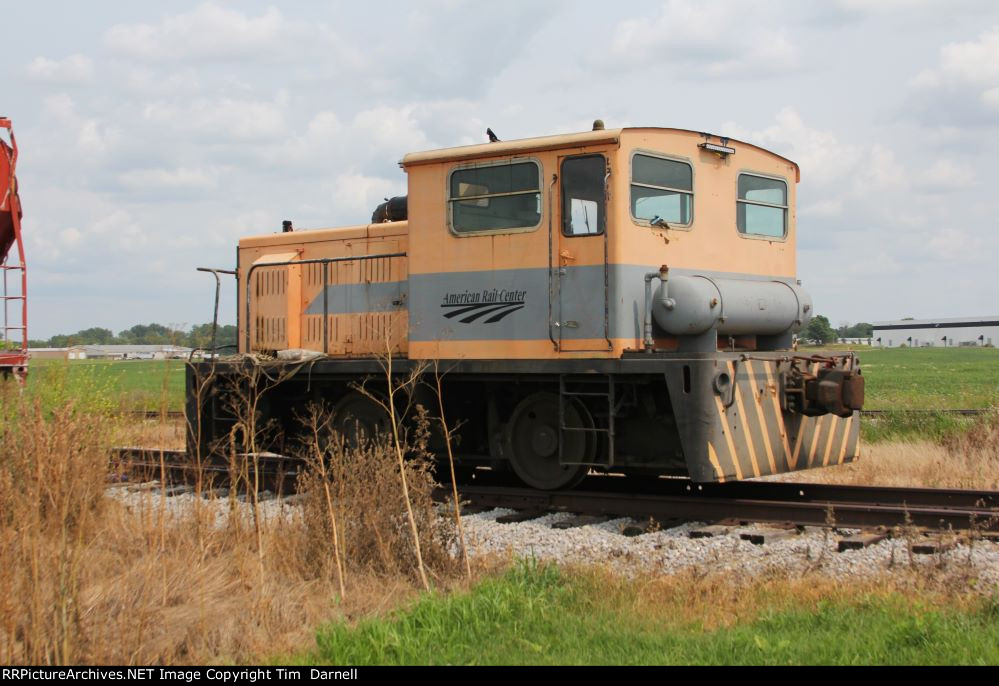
(543, 143)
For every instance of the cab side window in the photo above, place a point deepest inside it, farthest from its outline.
(583, 195)
(761, 208)
(495, 198)
(661, 190)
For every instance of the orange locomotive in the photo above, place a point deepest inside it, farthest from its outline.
(614, 299)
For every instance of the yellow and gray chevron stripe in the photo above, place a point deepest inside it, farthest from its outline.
(753, 437)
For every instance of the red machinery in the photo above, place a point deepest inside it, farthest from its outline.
(14, 339)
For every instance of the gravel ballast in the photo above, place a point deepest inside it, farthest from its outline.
(667, 551)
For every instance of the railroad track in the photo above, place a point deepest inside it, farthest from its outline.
(179, 414)
(799, 504)
(664, 500)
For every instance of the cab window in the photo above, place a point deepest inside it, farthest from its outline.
(662, 190)
(583, 195)
(498, 197)
(761, 208)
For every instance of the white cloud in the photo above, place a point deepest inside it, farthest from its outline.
(945, 175)
(221, 119)
(706, 40)
(882, 7)
(75, 69)
(208, 32)
(881, 171)
(958, 245)
(823, 208)
(359, 194)
(973, 62)
(820, 155)
(991, 98)
(962, 89)
(86, 136)
(182, 178)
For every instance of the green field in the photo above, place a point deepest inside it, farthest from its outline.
(899, 380)
(541, 615)
(931, 378)
(125, 385)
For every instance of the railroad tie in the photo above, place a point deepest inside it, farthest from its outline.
(468, 509)
(933, 545)
(860, 541)
(633, 528)
(144, 486)
(296, 499)
(183, 489)
(577, 521)
(710, 531)
(764, 536)
(522, 516)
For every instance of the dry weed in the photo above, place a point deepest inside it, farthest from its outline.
(970, 461)
(88, 579)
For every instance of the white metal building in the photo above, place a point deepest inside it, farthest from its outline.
(938, 333)
(135, 352)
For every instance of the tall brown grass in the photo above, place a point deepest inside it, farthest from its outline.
(968, 460)
(365, 518)
(91, 578)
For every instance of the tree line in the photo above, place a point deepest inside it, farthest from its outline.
(819, 329)
(199, 336)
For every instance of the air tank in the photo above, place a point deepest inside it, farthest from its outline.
(693, 305)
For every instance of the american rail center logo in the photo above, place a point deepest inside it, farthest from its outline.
(488, 306)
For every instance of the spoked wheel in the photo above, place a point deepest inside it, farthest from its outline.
(533, 438)
(359, 419)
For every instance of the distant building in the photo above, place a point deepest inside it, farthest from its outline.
(938, 333)
(48, 353)
(111, 352)
(75, 352)
(136, 352)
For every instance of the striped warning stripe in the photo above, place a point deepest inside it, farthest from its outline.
(758, 401)
(778, 416)
(713, 457)
(746, 432)
(726, 429)
(756, 436)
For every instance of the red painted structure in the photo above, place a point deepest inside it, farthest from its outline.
(14, 340)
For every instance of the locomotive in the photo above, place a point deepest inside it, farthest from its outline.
(618, 300)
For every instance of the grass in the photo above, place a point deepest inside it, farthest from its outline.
(539, 614)
(931, 378)
(910, 383)
(131, 385)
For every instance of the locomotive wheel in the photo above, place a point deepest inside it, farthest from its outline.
(532, 442)
(359, 419)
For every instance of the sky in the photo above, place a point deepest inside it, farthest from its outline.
(154, 135)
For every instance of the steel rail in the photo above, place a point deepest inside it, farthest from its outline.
(880, 413)
(709, 508)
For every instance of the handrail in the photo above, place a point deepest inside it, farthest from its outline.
(325, 261)
(218, 287)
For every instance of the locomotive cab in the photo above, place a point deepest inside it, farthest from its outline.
(614, 299)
